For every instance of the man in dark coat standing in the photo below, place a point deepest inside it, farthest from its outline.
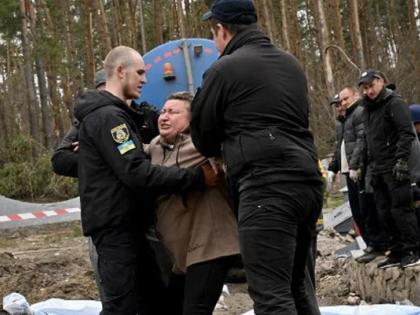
(389, 138)
(253, 109)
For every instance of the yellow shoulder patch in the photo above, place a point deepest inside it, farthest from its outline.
(120, 134)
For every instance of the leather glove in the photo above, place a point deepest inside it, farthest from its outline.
(401, 171)
(355, 175)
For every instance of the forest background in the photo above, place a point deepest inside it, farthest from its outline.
(50, 50)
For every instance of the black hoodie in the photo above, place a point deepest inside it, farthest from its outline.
(253, 103)
(388, 129)
(116, 180)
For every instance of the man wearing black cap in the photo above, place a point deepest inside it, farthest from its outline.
(253, 109)
(389, 136)
(349, 159)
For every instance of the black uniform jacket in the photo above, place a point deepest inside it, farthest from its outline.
(64, 159)
(253, 107)
(116, 181)
(389, 131)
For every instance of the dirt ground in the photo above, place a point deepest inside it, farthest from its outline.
(52, 261)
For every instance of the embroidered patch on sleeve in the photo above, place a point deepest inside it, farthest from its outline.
(126, 146)
(120, 134)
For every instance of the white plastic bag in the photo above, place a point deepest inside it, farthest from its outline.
(16, 304)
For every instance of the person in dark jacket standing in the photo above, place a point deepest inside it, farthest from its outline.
(253, 108)
(389, 138)
(64, 162)
(350, 157)
(116, 183)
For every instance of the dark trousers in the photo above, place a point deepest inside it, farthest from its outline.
(130, 276)
(356, 211)
(365, 215)
(374, 230)
(276, 228)
(393, 200)
(197, 292)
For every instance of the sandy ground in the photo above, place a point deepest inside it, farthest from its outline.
(52, 261)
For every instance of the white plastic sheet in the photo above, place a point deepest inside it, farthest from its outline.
(66, 307)
(376, 309)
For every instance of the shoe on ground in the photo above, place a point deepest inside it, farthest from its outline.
(368, 257)
(390, 261)
(369, 249)
(410, 260)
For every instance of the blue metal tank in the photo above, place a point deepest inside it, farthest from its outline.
(187, 76)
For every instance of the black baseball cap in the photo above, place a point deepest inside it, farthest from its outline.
(232, 12)
(335, 99)
(100, 78)
(368, 76)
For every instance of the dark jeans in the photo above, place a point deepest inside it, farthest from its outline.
(93, 255)
(197, 292)
(374, 230)
(365, 215)
(276, 228)
(393, 200)
(130, 275)
(356, 211)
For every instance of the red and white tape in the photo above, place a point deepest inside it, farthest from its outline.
(37, 214)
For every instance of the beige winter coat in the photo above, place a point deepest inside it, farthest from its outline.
(200, 226)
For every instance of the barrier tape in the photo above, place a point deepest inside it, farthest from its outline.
(37, 214)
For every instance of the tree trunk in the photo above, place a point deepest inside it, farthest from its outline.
(29, 79)
(116, 13)
(295, 37)
(58, 131)
(42, 83)
(326, 55)
(284, 25)
(129, 22)
(103, 29)
(88, 42)
(357, 34)
(337, 25)
(268, 19)
(158, 19)
(142, 31)
(180, 16)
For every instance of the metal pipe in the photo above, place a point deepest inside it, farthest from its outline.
(188, 67)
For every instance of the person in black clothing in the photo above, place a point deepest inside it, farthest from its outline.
(116, 185)
(415, 117)
(64, 159)
(64, 162)
(350, 160)
(389, 138)
(259, 122)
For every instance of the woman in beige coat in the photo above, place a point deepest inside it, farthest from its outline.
(198, 229)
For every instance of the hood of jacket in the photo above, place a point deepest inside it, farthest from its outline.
(252, 35)
(92, 100)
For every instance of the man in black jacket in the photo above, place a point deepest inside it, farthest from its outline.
(389, 137)
(253, 109)
(116, 184)
(64, 162)
(349, 159)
